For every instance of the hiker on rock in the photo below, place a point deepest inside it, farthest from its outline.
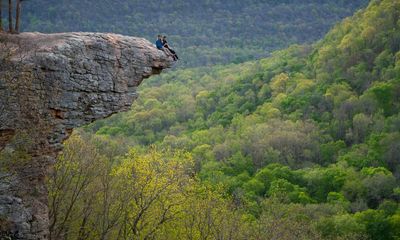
(160, 46)
(165, 44)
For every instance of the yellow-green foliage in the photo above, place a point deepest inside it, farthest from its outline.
(315, 127)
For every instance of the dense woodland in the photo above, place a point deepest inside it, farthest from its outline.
(304, 144)
(203, 32)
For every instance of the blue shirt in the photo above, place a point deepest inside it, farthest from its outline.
(159, 44)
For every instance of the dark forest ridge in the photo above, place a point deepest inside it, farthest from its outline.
(204, 32)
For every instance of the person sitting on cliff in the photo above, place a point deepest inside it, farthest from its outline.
(160, 46)
(165, 44)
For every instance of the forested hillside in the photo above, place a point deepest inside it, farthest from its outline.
(302, 145)
(203, 32)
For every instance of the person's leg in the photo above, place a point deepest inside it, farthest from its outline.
(168, 52)
(173, 52)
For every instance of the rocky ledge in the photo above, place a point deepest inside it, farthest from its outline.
(50, 84)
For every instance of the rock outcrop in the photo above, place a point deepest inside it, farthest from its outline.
(50, 84)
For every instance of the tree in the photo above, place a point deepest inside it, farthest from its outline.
(208, 215)
(379, 183)
(153, 188)
(377, 225)
(18, 15)
(10, 23)
(73, 190)
(1, 15)
(284, 221)
(342, 226)
(361, 125)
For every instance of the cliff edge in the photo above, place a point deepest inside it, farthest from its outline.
(50, 84)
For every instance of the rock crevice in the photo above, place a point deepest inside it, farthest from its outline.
(50, 84)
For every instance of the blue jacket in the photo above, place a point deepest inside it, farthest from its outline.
(159, 44)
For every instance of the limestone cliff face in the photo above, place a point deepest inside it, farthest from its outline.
(50, 84)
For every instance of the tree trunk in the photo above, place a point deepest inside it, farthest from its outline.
(17, 15)
(1, 15)
(10, 23)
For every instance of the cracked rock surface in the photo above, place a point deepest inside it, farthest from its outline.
(50, 84)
